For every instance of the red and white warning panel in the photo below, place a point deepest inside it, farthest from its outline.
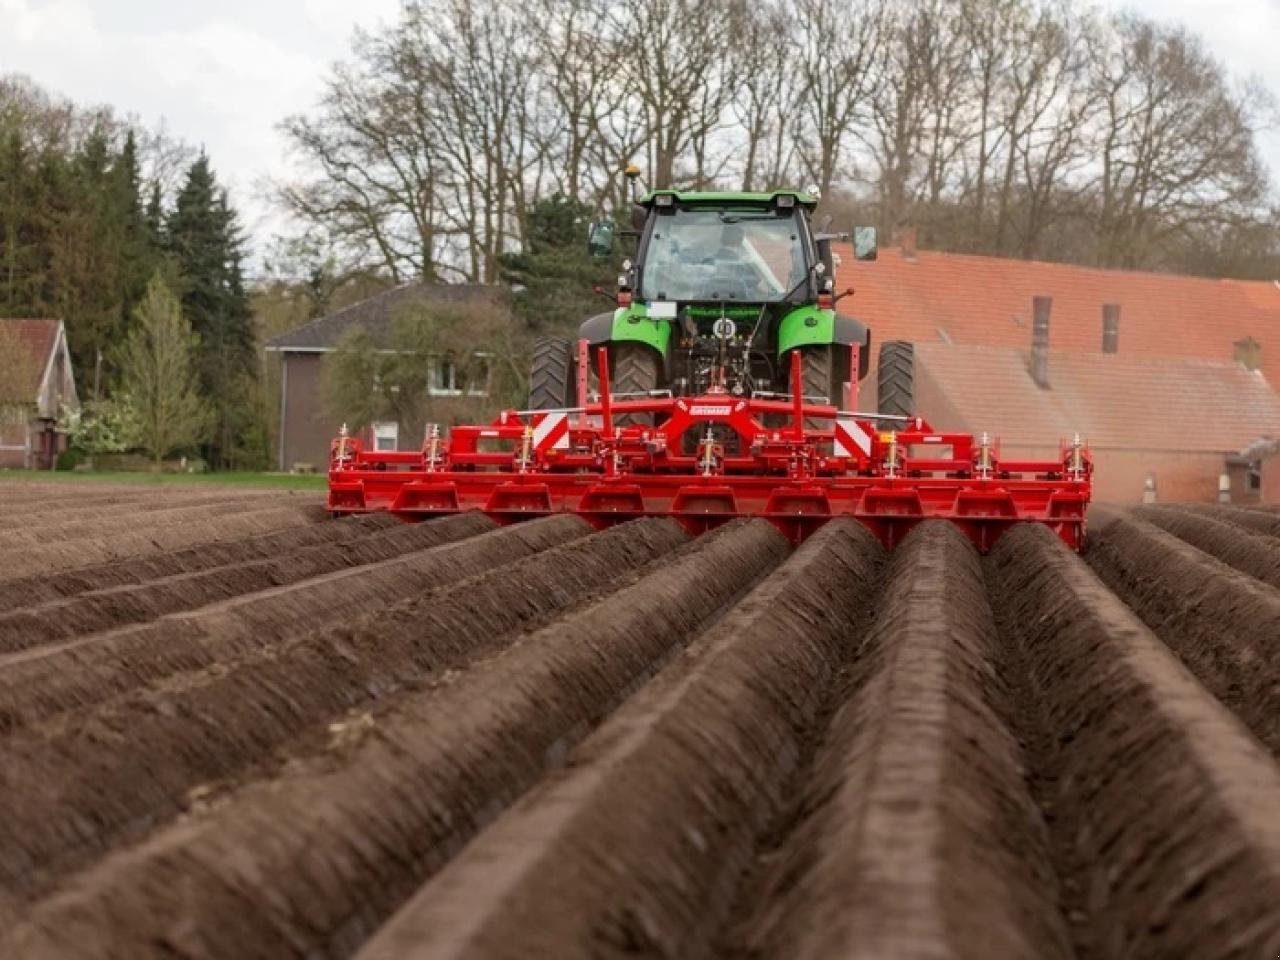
(550, 431)
(850, 435)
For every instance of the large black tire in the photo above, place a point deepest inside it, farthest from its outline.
(551, 380)
(818, 372)
(820, 383)
(634, 369)
(895, 382)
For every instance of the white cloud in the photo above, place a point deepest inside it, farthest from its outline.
(222, 76)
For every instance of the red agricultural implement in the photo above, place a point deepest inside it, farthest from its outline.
(713, 457)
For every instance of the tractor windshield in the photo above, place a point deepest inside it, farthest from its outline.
(749, 255)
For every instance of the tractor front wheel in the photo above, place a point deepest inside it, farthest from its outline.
(635, 370)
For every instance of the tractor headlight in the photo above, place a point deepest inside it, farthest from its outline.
(786, 201)
(664, 200)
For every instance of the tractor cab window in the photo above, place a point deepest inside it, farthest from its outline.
(755, 256)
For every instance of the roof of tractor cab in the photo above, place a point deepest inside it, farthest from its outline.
(713, 198)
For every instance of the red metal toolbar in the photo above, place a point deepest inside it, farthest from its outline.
(715, 457)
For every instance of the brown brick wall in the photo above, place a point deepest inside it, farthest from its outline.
(307, 432)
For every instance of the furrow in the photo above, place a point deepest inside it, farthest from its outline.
(35, 684)
(119, 606)
(51, 556)
(1222, 623)
(131, 518)
(138, 762)
(342, 843)
(919, 837)
(1162, 806)
(1256, 555)
(1256, 521)
(45, 588)
(648, 827)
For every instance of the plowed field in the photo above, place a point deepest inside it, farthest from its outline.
(231, 727)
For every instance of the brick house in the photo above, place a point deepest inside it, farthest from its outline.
(29, 434)
(305, 430)
(1173, 385)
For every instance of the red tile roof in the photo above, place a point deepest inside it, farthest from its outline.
(943, 297)
(1119, 401)
(39, 338)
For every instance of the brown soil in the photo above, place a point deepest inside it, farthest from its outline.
(133, 763)
(647, 829)
(345, 840)
(919, 837)
(37, 683)
(49, 555)
(1220, 622)
(1162, 806)
(45, 588)
(132, 517)
(453, 739)
(119, 606)
(20, 516)
(1256, 555)
(1256, 521)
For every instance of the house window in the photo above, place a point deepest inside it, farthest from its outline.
(386, 436)
(443, 379)
(446, 378)
(1254, 482)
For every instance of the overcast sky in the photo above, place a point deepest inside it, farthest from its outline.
(224, 74)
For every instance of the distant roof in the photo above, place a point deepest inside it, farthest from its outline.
(38, 337)
(1115, 401)
(377, 314)
(955, 298)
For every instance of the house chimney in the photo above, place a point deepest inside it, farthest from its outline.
(1040, 341)
(1110, 328)
(1248, 353)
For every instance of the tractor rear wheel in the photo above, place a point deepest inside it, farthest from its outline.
(636, 369)
(551, 380)
(895, 382)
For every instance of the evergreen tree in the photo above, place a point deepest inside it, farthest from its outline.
(137, 254)
(154, 218)
(158, 374)
(203, 237)
(554, 276)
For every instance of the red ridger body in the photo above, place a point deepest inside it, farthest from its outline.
(710, 459)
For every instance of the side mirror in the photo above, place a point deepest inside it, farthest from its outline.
(600, 239)
(865, 246)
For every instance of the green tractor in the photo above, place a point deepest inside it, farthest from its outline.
(723, 287)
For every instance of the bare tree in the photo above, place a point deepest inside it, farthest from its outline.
(910, 134)
(677, 70)
(1016, 127)
(1175, 142)
(840, 63)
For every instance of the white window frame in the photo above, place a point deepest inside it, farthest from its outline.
(385, 431)
(436, 389)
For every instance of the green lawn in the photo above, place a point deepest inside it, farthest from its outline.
(283, 481)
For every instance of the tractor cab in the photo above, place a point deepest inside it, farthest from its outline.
(723, 288)
(704, 253)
